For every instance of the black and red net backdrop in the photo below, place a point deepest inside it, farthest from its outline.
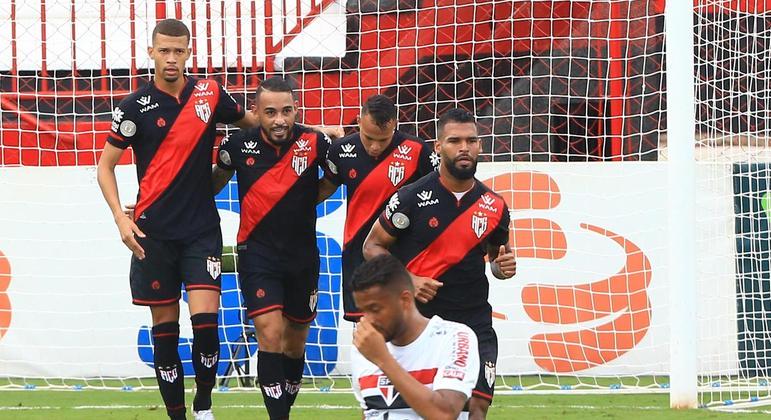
(548, 80)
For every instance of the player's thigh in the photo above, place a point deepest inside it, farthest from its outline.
(200, 264)
(262, 290)
(302, 291)
(154, 280)
(351, 311)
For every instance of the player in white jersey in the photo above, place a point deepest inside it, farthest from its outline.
(406, 366)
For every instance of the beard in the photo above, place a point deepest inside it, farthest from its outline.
(460, 173)
(276, 140)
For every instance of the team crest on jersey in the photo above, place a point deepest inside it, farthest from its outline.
(479, 223)
(300, 163)
(169, 374)
(387, 390)
(314, 300)
(300, 158)
(202, 110)
(490, 373)
(396, 173)
(214, 267)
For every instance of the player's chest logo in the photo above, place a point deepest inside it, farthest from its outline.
(300, 156)
(479, 223)
(396, 172)
(202, 110)
(387, 390)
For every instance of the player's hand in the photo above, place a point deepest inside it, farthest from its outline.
(128, 229)
(425, 288)
(507, 264)
(369, 341)
(128, 210)
(334, 132)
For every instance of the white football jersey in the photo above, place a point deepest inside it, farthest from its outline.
(444, 356)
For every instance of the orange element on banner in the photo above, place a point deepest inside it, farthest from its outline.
(5, 302)
(622, 296)
(532, 238)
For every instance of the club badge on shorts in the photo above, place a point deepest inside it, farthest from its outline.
(214, 267)
(314, 300)
(490, 373)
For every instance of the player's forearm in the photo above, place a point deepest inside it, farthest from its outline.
(371, 250)
(105, 176)
(219, 178)
(427, 403)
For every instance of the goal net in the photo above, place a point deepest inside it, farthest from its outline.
(570, 98)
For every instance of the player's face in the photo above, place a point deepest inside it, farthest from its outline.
(169, 54)
(277, 112)
(459, 148)
(374, 138)
(384, 308)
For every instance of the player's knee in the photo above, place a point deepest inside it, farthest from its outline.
(165, 313)
(269, 338)
(478, 408)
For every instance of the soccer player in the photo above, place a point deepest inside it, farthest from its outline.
(277, 167)
(372, 164)
(441, 227)
(174, 235)
(406, 366)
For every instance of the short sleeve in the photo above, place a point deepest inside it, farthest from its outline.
(125, 126)
(429, 159)
(357, 360)
(228, 110)
(332, 165)
(459, 368)
(395, 218)
(500, 236)
(228, 153)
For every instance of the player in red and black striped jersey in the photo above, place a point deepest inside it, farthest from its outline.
(277, 167)
(174, 235)
(441, 227)
(372, 164)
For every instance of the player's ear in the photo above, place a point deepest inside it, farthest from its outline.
(407, 298)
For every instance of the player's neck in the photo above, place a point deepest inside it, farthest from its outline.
(170, 88)
(416, 324)
(452, 183)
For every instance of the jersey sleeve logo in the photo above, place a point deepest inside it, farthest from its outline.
(435, 160)
(479, 223)
(396, 172)
(393, 204)
(117, 117)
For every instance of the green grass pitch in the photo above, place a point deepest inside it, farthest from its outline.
(141, 405)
